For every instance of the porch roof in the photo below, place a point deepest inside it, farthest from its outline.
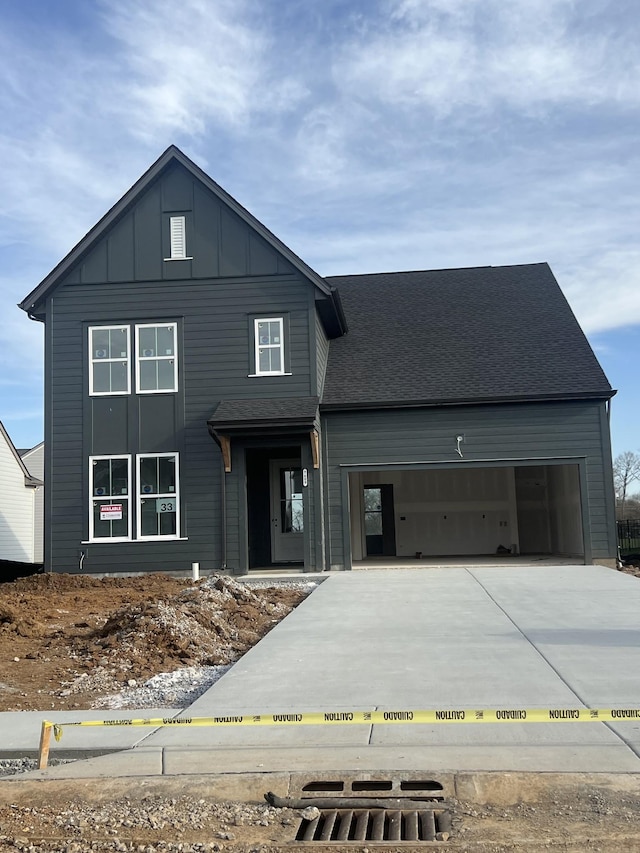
(239, 415)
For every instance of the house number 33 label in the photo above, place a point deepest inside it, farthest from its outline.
(165, 505)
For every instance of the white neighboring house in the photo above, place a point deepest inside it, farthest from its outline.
(34, 460)
(21, 538)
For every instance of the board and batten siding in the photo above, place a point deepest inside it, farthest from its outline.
(519, 432)
(215, 363)
(16, 509)
(219, 244)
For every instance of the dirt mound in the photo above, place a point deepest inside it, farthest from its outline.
(24, 625)
(213, 623)
(68, 640)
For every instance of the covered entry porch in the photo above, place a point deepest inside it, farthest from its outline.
(272, 484)
(530, 508)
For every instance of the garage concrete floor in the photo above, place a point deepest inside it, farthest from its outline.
(481, 637)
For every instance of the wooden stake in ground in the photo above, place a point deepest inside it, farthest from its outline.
(45, 743)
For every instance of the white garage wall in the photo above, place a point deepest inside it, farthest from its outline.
(438, 512)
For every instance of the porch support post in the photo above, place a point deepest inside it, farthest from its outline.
(315, 448)
(225, 446)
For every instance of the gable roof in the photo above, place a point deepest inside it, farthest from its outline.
(33, 300)
(29, 480)
(478, 334)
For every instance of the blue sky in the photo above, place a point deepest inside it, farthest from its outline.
(369, 136)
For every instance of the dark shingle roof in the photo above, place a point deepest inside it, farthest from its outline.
(242, 413)
(482, 333)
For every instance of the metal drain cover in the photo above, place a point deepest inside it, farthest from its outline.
(373, 825)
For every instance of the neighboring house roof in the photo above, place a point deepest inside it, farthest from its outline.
(33, 302)
(28, 479)
(478, 334)
(33, 458)
(242, 414)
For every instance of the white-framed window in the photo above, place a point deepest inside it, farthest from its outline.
(156, 358)
(109, 506)
(158, 513)
(109, 349)
(269, 346)
(178, 239)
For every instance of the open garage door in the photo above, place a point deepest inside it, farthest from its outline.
(523, 509)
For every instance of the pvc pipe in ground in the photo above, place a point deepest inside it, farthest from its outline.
(195, 571)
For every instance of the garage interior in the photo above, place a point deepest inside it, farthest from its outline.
(472, 511)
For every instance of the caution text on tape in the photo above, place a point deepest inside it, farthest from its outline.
(390, 717)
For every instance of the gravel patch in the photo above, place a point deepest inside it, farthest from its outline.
(177, 689)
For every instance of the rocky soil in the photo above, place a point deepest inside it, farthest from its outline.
(576, 821)
(73, 641)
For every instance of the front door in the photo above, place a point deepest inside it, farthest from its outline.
(287, 524)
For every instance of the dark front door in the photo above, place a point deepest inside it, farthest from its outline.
(287, 526)
(379, 521)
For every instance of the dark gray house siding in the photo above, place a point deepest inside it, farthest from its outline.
(481, 372)
(214, 363)
(219, 243)
(234, 277)
(525, 434)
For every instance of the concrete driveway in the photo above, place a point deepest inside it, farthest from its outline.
(481, 637)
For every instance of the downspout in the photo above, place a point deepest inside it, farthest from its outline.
(223, 513)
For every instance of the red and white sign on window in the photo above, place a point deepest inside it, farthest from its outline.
(111, 512)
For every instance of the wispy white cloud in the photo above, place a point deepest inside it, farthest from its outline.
(486, 54)
(389, 135)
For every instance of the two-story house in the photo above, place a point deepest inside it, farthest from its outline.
(209, 397)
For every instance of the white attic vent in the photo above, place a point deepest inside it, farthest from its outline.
(178, 232)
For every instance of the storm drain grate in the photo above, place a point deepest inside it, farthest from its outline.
(376, 825)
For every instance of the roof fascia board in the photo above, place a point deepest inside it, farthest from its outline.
(483, 401)
(172, 154)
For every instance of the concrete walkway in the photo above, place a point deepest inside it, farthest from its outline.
(482, 637)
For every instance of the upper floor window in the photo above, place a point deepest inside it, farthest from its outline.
(178, 239)
(156, 359)
(109, 360)
(269, 346)
(156, 363)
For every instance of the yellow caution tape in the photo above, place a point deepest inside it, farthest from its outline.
(430, 717)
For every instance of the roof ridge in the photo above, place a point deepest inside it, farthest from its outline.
(438, 269)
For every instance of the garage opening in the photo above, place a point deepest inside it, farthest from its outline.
(523, 509)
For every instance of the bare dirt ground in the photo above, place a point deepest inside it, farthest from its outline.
(68, 641)
(190, 821)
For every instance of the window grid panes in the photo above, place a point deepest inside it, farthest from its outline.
(109, 498)
(158, 496)
(109, 360)
(372, 511)
(269, 345)
(291, 503)
(157, 365)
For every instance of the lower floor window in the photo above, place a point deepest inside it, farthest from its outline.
(157, 498)
(156, 507)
